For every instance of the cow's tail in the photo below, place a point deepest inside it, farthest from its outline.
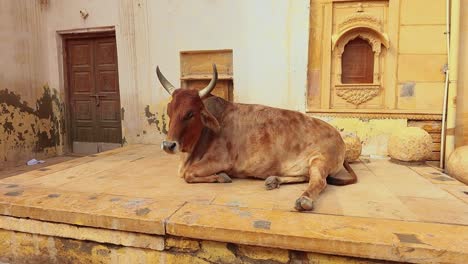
(343, 178)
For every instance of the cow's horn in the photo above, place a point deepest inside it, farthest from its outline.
(165, 83)
(207, 90)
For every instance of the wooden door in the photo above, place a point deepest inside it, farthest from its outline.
(357, 62)
(93, 90)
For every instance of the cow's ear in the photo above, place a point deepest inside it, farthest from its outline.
(210, 121)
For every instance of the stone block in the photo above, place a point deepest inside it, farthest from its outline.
(182, 244)
(410, 144)
(353, 146)
(457, 164)
(216, 252)
(262, 253)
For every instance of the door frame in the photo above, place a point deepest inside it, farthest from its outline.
(75, 35)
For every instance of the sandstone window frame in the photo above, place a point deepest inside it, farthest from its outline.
(358, 93)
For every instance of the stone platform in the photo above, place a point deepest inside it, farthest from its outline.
(129, 206)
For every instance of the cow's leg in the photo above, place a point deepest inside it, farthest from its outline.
(317, 183)
(205, 179)
(273, 182)
(205, 171)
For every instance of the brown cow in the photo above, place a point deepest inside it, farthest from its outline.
(220, 139)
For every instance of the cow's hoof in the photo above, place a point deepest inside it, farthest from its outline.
(272, 182)
(224, 178)
(304, 203)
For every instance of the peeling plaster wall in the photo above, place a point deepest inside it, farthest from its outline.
(31, 113)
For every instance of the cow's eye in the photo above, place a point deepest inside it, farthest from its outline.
(188, 115)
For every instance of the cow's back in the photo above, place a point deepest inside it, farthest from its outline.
(265, 141)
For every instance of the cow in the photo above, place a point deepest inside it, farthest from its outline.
(220, 140)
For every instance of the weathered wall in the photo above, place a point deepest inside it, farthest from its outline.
(31, 111)
(151, 33)
(270, 43)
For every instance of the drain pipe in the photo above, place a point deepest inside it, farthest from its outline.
(446, 69)
(449, 118)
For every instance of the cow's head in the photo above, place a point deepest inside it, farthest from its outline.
(188, 116)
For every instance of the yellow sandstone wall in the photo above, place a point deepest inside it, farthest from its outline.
(412, 72)
(422, 54)
(461, 131)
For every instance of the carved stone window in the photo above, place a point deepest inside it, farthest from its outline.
(357, 62)
(357, 58)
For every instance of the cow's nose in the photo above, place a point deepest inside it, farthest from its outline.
(169, 146)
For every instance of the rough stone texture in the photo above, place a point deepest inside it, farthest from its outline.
(353, 146)
(410, 144)
(266, 254)
(216, 252)
(182, 244)
(457, 165)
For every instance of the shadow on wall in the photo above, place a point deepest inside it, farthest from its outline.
(26, 131)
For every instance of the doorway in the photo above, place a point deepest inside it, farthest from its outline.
(93, 92)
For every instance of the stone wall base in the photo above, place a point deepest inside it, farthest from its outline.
(18, 247)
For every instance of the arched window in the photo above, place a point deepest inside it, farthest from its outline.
(357, 65)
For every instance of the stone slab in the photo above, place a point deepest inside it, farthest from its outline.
(351, 236)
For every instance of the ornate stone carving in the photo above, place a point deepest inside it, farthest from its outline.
(382, 114)
(373, 40)
(357, 94)
(360, 20)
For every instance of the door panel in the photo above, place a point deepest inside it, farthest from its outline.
(108, 88)
(94, 90)
(81, 71)
(357, 62)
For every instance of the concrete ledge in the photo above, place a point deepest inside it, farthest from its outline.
(336, 235)
(143, 215)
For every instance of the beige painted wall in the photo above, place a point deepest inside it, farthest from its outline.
(267, 37)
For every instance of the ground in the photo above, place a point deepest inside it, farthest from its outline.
(394, 212)
(8, 171)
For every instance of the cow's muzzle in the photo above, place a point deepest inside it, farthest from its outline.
(169, 146)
